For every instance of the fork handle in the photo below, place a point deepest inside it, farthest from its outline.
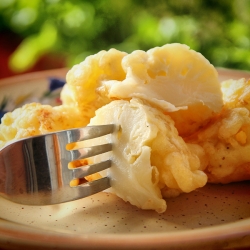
(22, 168)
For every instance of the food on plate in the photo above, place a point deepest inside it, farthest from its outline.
(177, 127)
(83, 81)
(35, 119)
(173, 78)
(236, 93)
(226, 140)
(151, 160)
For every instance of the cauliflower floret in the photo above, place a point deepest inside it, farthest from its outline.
(35, 119)
(84, 79)
(149, 159)
(173, 78)
(226, 140)
(236, 93)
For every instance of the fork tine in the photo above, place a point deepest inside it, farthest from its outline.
(90, 151)
(81, 172)
(93, 187)
(89, 132)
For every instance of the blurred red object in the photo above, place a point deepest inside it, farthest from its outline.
(9, 42)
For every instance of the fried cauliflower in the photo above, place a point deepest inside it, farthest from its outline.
(236, 93)
(35, 119)
(173, 78)
(226, 140)
(84, 79)
(150, 160)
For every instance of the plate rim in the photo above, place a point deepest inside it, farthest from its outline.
(27, 77)
(208, 235)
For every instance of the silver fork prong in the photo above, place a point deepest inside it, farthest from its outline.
(89, 132)
(81, 172)
(91, 151)
(93, 187)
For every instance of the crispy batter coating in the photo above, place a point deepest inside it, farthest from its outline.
(150, 160)
(226, 140)
(236, 93)
(84, 79)
(35, 119)
(173, 78)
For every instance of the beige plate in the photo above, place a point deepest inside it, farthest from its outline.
(213, 217)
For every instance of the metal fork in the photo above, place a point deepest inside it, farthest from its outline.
(34, 171)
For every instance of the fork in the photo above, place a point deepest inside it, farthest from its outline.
(35, 170)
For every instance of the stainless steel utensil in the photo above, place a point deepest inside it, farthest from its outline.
(34, 171)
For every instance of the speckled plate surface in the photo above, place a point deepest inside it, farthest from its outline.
(213, 217)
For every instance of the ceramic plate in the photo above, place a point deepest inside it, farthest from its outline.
(213, 217)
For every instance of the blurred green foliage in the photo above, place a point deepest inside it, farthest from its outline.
(77, 28)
